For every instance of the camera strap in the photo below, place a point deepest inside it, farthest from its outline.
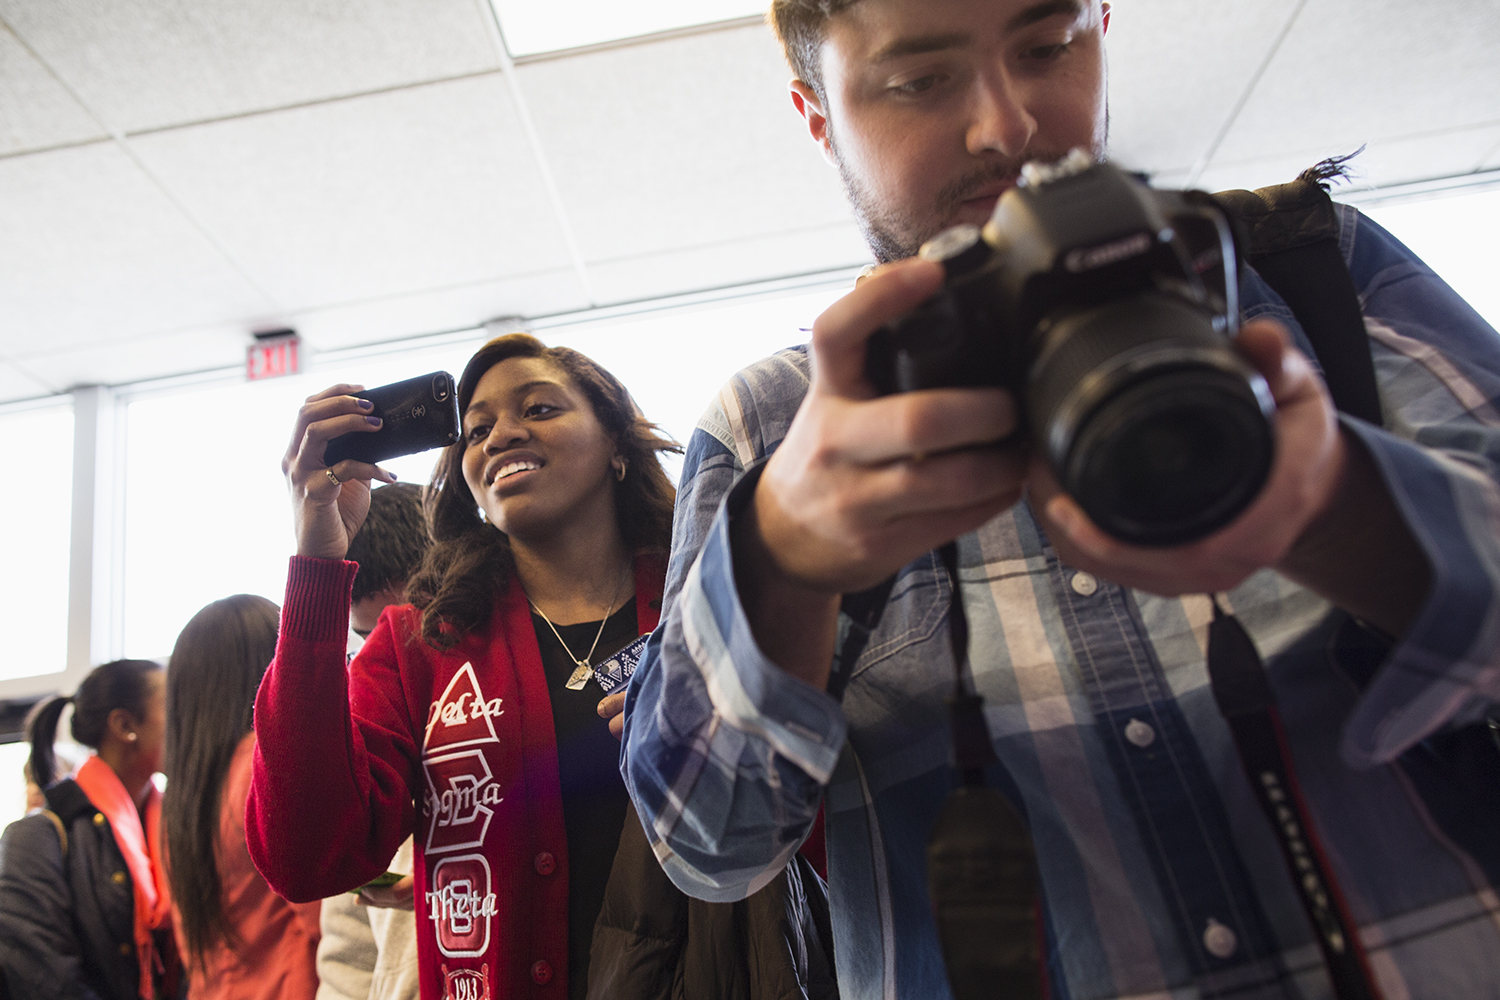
(1248, 705)
(982, 871)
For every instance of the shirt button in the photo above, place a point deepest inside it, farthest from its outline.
(545, 863)
(1219, 940)
(541, 972)
(118, 878)
(1140, 733)
(1084, 584)
(125, 949)
(98, 819)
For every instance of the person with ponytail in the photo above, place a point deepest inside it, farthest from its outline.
(239, 939)
(85, 910)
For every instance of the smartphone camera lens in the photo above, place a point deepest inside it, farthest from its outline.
(440, 388)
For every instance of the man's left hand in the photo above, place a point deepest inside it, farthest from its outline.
(1311, 456)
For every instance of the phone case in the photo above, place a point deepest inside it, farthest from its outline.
(420, 414)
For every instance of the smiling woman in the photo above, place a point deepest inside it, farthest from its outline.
(551, 512)
(484, 715)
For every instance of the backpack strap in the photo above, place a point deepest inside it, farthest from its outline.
(65, 803)
(1292, 242)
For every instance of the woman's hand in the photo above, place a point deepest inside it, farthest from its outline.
(396, 896)
(329, 505)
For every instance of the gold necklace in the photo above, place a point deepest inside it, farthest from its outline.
(582, 672)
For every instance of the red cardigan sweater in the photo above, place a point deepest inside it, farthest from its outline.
(458, 746)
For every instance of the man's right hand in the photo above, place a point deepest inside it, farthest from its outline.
(862, 485)
(326, 514)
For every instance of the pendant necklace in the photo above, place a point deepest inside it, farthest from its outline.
(583, 671)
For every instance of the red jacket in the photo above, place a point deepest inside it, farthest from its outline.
(458, 746)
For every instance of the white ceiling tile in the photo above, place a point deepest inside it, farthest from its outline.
(679, 142)
(721, 265)
(440, 311)
(1491, 158)
(118, 361)
(1176, 69)
(36, 112)
(151, 63)
(94, 252)
(370, 197)
(1396, 70)
(1383, 163)
(19, 383)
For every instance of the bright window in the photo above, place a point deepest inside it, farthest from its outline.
(206, 508)
(36, 511)
(1455, 236)
(530, 27)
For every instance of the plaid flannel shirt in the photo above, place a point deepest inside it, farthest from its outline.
(1161, 877)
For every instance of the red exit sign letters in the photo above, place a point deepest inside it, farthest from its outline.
(273, 357)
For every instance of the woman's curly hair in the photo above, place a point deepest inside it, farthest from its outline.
(470, 560)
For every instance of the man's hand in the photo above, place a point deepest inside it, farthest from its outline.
(612, 707)
(862, 485)
(1324, 517)
(1310, 458)
(396, 896)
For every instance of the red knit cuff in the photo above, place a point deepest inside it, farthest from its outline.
(317, 599)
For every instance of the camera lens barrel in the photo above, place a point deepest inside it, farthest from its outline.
(1149, 419)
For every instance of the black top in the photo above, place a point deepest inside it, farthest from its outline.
(588, 765)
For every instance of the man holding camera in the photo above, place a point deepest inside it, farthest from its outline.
(1367, 572)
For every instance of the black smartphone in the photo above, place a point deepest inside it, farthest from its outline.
(420, 414)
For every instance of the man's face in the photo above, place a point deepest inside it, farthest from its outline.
(932, 106)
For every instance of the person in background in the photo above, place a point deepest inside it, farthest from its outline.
(239, 939)
(371, 950)
(85, 910)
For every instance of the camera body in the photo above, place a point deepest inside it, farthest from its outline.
(1106, 307)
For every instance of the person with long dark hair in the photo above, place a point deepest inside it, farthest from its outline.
(240, 940)
(85, 910)
(471, 716)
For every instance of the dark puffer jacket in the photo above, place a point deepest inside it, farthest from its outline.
(652, 942)
(66, 905)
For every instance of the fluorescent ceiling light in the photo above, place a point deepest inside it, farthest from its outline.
(532, 26)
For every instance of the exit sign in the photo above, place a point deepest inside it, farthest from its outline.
(273, 356)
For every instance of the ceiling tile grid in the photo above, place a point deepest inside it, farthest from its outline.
(18, 383)
(1177, 68)
(539, 293)
(119, 360)
(36, 111)
(361, 171)
(1360, 71)
(739, 261)
(425, 187)
(1384, 162)
(149, 64)
(678, 143)
(93, 252)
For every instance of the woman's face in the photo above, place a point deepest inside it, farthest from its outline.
(151, 726)
(535, 456)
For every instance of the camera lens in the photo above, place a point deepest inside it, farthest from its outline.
(1151, 422)
(1173, 457)
(440, 386)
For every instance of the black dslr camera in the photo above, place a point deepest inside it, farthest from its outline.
(1106, 307)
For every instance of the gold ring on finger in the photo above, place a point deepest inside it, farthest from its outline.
(335, 480)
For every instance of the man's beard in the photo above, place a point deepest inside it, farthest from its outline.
(895, 235)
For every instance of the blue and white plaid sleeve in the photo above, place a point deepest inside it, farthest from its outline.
(725, 754)
(1438, 365)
